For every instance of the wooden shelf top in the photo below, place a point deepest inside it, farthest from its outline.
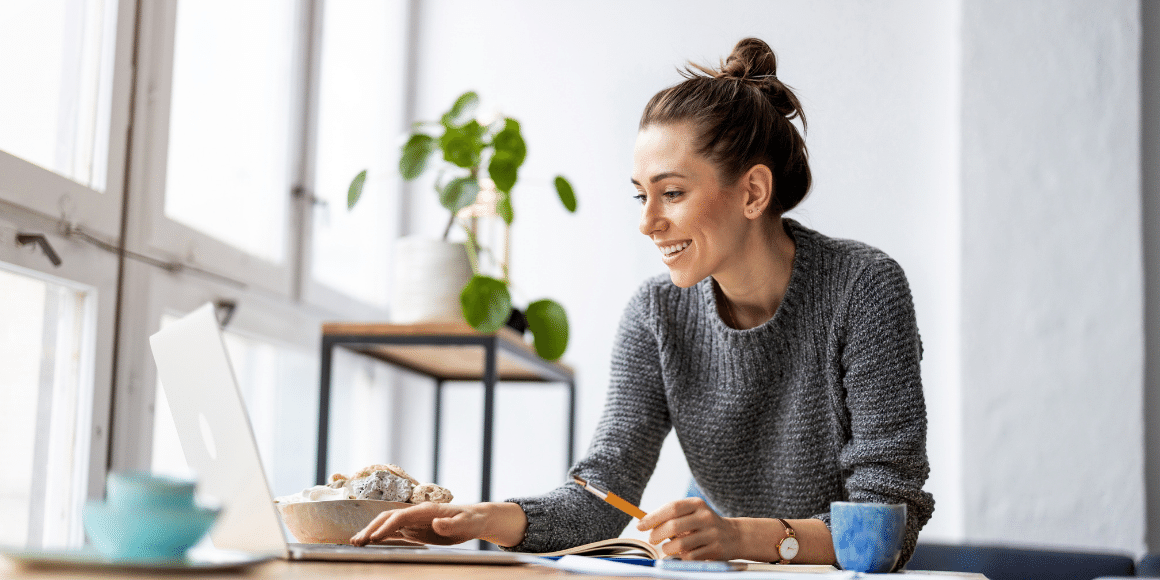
(447, 362)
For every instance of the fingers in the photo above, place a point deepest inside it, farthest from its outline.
(699, 545)
(669, 511)
(363, 537)
(388, 524)
(687, 516)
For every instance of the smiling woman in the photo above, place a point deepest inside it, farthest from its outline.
(786, 361)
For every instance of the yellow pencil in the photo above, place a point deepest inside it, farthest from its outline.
(613, 499)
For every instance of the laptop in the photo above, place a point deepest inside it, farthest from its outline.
(214, 429)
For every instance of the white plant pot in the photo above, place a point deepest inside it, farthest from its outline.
(429, 277)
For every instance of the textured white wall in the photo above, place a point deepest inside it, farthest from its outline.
(1052, 305)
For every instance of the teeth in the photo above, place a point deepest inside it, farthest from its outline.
(669, 250)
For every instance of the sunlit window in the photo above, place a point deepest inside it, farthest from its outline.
(360, 113)
(56, 71)
(45, 410)
(228, 173)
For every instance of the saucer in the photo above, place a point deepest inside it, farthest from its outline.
(208, 560)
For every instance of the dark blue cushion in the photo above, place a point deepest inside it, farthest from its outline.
(1004, 563)
(1149, 566)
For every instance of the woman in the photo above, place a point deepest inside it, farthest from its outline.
(786, 361)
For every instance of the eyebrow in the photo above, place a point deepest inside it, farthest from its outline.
(659, 177)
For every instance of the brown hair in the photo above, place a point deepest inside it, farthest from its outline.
(742, 113)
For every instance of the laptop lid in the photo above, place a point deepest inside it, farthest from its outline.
(214, 428)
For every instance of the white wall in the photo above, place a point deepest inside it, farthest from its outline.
(1052, 273)
(991, 149)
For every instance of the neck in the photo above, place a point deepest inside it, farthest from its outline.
(753, 284)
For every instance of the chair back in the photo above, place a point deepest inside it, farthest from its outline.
(1006, 563)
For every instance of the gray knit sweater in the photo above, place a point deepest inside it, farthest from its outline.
(821, 403)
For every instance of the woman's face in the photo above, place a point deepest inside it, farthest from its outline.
(696, 223)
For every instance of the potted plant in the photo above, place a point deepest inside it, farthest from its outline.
(478, 158)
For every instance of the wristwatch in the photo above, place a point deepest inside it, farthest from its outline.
(787, 548)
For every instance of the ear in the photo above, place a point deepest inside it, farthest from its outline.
(757, 183)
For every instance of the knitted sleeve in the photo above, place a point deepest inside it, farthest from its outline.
(624, 450)
(885, 452)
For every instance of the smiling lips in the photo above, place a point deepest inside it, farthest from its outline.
(673, 249)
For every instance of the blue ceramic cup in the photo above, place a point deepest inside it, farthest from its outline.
(147, 517)
(867, 536)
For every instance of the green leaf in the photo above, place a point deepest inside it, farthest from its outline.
(549, 325)
(355, 190)
(503, 171)
(510, 141)
(416, 152)
(462, 145)
(487, 305)
(459, 193)
(462, 110)
(503, 206)
(567, 196)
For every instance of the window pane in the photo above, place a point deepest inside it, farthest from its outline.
(229, 126)
(279, 385)
(45, 406)
(359, 127)
(57, 68)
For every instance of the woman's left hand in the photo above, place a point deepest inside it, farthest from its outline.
(693, 531)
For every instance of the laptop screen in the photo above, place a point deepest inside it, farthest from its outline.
(213, 426)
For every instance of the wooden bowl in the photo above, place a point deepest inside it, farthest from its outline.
(334, 521)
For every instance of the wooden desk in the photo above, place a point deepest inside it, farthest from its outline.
(283, 570)
(450, 351)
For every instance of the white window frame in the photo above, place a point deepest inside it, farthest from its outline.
(95, 271)
(34, 188)
(157, 234)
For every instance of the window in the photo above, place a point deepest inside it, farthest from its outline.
(225, 102)
(228, 168)
(45, 409)
(60, 54)
(360, 123)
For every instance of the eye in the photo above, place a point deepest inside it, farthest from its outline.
(640, 197)
(674, 193)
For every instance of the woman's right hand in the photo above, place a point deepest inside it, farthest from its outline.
(445, 524)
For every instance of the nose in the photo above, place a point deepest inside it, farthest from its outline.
(651, 220)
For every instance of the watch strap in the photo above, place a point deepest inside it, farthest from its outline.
(789, 533)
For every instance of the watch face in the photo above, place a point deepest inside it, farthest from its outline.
(788, 548)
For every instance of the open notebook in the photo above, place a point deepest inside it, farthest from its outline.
(614, 548)
(214, 429)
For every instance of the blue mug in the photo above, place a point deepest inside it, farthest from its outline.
(867, 536)
(146, 517)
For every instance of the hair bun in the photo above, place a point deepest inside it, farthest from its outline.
(751, 59)
(742, 115)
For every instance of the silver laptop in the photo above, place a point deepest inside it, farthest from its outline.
(214, 429)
